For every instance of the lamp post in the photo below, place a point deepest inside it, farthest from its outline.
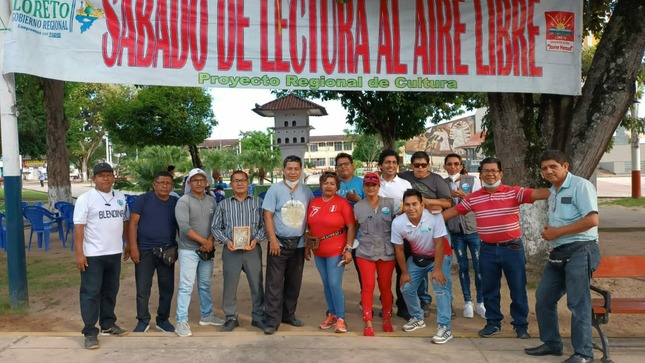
(636, 157)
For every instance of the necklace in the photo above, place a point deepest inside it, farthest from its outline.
(107, 202)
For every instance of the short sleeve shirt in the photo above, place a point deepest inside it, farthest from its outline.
(574, 201)
(421, 237)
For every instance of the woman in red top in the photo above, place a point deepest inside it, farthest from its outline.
(331, 236)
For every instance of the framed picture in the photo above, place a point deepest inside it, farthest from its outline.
(241, 237)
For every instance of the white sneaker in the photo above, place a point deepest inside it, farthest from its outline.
(468, 310)
(443, 335)
(183, 329)
(480, 310)
(211, 320)
(414, 324)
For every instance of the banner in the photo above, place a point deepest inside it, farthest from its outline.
(388, 45)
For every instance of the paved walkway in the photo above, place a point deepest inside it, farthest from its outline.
(256, 347)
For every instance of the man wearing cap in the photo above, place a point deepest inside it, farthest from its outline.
(285, 218)
(100, 219)
(194, 213)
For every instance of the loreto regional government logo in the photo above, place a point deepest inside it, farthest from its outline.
(559, 31)
(53, 18)
(87, 15)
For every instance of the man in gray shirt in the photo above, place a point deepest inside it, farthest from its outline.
(194, 212)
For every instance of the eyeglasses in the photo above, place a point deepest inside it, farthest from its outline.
(453, 164)
(239, 180)
(164, 184)
(419, 165)
(490, 171)
(342, 165)
(198, 181)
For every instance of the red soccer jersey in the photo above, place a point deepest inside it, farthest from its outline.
(497, 213)
(328, 217)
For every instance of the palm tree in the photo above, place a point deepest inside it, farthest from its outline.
(218, 160)
(262, 160)
(152, 160)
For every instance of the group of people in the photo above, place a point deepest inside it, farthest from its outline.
(408, 222)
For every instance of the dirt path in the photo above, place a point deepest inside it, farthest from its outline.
(58, 309)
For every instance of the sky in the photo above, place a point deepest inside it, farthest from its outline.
(233, 112)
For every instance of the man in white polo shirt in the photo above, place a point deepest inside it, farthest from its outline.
(100, 217)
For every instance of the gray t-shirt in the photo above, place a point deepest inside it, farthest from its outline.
(289, 209)
(375, 227)
(194, 213)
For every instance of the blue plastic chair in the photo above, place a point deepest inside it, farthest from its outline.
(67, 214)
(318, 192)
(262, 195)
(42, 222)
(39, 204)
(219, 197)
(58, 205)
(130, 199)
(3, 233)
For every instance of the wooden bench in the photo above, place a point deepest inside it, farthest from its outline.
(615, 267)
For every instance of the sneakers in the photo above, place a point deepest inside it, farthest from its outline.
(414, 324)
(114, 330)
(91, 342)
(329, 321)
(426, 309)
(341, 327)
(489, 331)
(368, 331)
(469, 311)
(141, 327)
(387, 326)
(165, 326)
(443, 335)
(183, 329)
(522, 332)
(480, 310)
(211, 320)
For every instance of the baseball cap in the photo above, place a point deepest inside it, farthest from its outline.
(371, 178)
(194, 172)
(103, 167)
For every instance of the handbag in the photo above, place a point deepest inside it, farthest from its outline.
(168, 254)
(313, 242)
(289, 243)
(206, 256)
(559, 258)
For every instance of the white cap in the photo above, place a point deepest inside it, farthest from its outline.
(194, 172)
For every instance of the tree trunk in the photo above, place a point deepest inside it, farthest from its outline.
(261, 175)
(581, 128)
(57, 155)
(610, 87)
(84, 161)
(194, 156)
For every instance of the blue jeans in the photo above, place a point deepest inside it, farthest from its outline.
(573, 280)
(442, 292)
(461, 243)
(332, 279)
(493, 261)
(190, 265)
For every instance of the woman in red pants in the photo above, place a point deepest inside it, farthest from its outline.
(375, 252)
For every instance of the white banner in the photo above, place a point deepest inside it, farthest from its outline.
(394, 45)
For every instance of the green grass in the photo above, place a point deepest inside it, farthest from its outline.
(28, 196)
(43, 273)
(625, 202)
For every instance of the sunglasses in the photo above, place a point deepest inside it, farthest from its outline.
(419, 165)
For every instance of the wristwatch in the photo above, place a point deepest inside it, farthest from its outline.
(348, 249)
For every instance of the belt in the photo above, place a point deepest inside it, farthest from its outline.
(341, 231)
(513, 241)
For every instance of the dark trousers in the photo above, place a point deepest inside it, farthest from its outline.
(143, 273)
(99, 287)
(282, 287)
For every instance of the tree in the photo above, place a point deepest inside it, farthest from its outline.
(367, 148)
(257, 154)
(218, 160)
(84, 104)
(32, 127)
(522, 125)
(162, 116)
(152, 160)
(59, 186)
(395, 115)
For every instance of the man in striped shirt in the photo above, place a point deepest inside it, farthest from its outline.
(497, 214)
(244, 211)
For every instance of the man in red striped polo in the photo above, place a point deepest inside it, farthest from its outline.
(497, 212)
